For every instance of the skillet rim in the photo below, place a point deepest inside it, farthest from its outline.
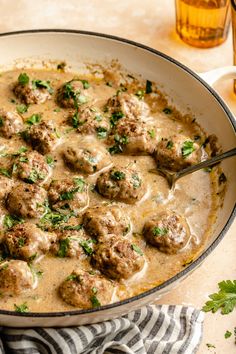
(221, 235)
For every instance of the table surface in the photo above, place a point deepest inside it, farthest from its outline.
(151, 22)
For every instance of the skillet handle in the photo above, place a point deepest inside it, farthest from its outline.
(212, 76)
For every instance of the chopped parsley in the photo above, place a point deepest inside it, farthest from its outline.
(94, 300)
(101, 133)
(159, 231)
(72, 277)
(228, 334)
(140, 94)
(137, 249)
(42, 84)
(225, 299)
(54, 218)
(21, 308)
(167, 110)
(187, 148)
(34, 119)
(22, 108)
(63, 247)
(80, 183)
(50, 160)
(115, 117)
(148, 87)
(152, 133)
(115, 149)
(21, 242)
(209, 345)
(136, 181)
(11, 220)
(86, 84)
(86, 247)
(71, 227)
(169, 144)
(5, 172)
(23, 79)
(117, 175)
(34, 176)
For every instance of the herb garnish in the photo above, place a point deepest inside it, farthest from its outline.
(187, 148)
(50, 160)
(228, 334)
(11, 220)
(148, 87)
(23, 79)
(225, 299)
(140, 94)
(167, 110)
(72, 277)
(101, 133)
(94, 300)
(5, 172)
(137, 249)
(63, 247)
(34, 119)
(136, 181)
(152, 133)
(22, 108)
(117, 175)
(85, 245)
(115, 117)
(159, 231)
(21, 308)
(169, 144)
(42, 84)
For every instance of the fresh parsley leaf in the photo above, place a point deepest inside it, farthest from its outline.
(11, 220)
(121, 139)
(86, 84)
(34, 119)
(117, 175)
(23, 79)
(148, 87)
(136, 181)
(115, 117)
(42, 84)
(167, 110)
(95, 302)
(63, 247)
(228, 334)
(21, 308)
(80, 183)
(159, 231)
(225, 299)
(86, 247)
(34, 176)
(152, 133)
(140, 94)
(22, 108)
(50, 160)
(169, 144)
(137, 249)
(209, 345)
(72, 277)
(71, 227)
(21, 242)
(115, 149)
(187, 148)
(101, 133)
(5, 172)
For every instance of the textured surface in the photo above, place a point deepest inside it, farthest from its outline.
(150, 22)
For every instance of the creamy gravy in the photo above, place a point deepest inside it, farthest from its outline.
(195, 196)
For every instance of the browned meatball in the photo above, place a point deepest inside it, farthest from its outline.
(26, 200)
(177, 152)
(167, 231)
(122, 184)
(86, 290)
(89, 120)
(27, 241)
(5, 186)
(132, 137)
(118, 258)
(127, 105)
(31, 167)
(10, 123)
(16, 278)
(43, 137)
(73, 244)
(88, 158)
(32, 91)
(72, 94)
(103, 221)
(69, 194)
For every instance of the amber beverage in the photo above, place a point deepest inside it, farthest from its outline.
(203, 23)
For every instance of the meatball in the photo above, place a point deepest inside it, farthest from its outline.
(31, 167)
(127, 105)
(32, 92)
(167, 231)
(72, 243)
(118, 258)
(132, 137)
(43, 137)
(177, 152)
(27, 241)
(122, 184)
(10, 123)
(72, 94)
(26, 200)
(5, 186)
(69, 194)
(103, 221)
(85, 289)
(89, 120)
(88, 158)
(16, 278)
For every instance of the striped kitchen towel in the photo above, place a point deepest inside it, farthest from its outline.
(153, 329)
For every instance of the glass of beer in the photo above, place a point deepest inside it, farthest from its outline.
(203, 23)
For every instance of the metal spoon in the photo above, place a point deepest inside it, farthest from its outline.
(172, 177)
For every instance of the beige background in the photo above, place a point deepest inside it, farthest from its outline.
(150, 22)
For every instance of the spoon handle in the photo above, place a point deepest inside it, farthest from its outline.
(206, 163)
